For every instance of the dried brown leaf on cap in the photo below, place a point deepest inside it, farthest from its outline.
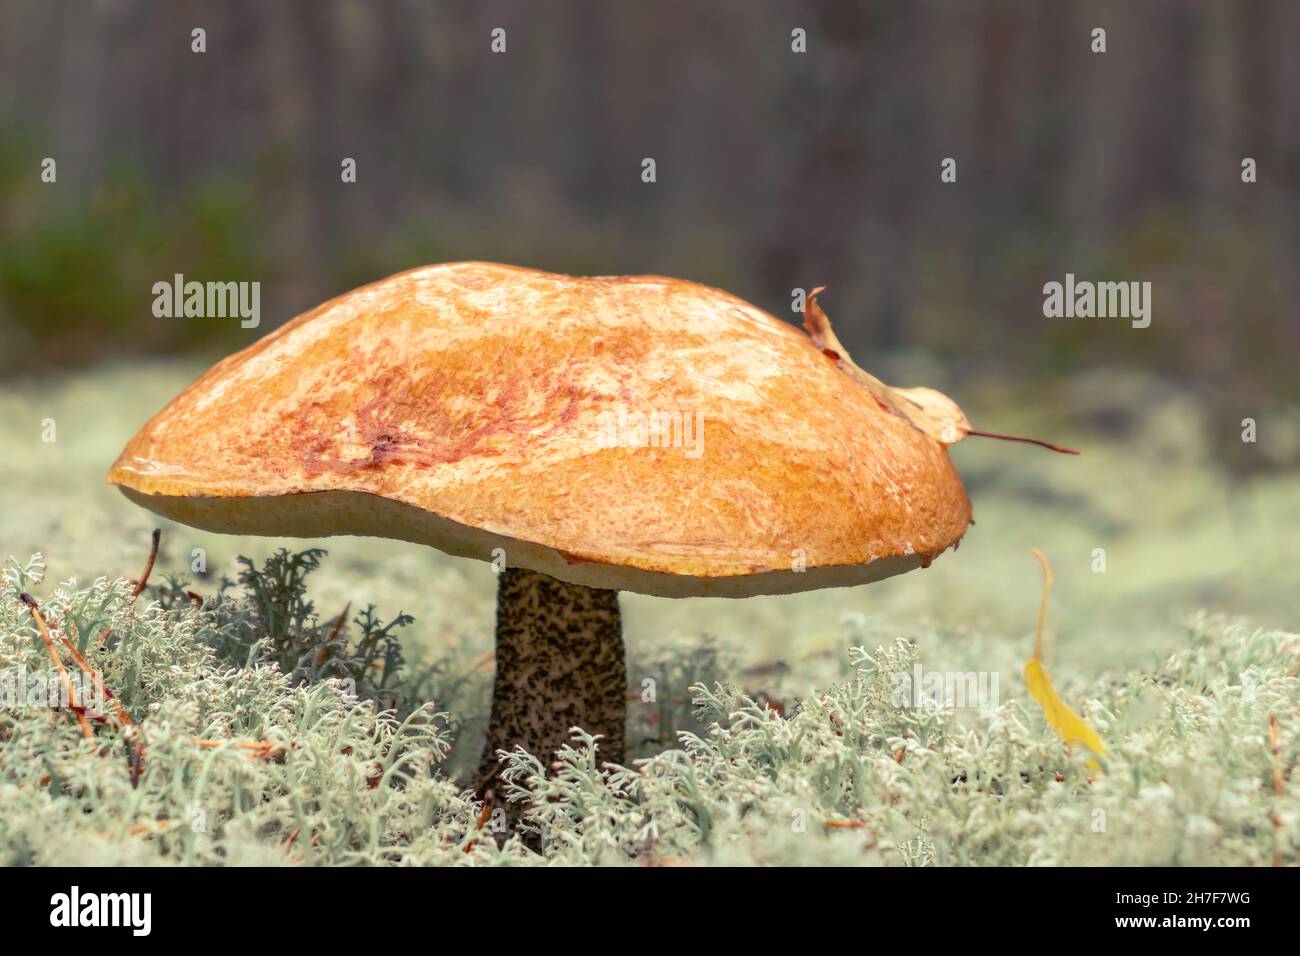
(928, 410)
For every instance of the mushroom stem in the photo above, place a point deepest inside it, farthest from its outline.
(559, 665)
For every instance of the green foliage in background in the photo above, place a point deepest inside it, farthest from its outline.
(843, 775)
(78, 262)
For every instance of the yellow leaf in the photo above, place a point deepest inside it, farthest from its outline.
(1068, 725)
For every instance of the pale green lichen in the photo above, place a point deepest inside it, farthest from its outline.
(841, 776)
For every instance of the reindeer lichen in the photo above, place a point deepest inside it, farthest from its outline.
(264, 732)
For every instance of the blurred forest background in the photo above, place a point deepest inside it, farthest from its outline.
(775, 170)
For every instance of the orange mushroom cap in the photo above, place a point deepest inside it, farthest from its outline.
(638, 433)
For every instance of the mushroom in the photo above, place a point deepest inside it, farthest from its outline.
(588, 436)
